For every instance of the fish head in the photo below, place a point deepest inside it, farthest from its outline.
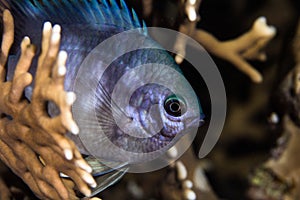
(152, 103)
(163, 114)
(142, 104)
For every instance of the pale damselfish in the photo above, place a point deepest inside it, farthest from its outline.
(85, 25)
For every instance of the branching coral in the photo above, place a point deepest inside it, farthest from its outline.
(186, 180)
(32, 143)
(246, 47)
(279, 177)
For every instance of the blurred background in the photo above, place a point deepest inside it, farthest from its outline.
(248, 136)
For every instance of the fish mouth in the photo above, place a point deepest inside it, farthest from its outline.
(194, 122)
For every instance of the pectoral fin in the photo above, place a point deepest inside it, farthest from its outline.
(105, 174)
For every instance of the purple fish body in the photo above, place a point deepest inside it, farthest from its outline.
(86, 24)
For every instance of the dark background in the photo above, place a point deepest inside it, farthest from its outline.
(248, 137)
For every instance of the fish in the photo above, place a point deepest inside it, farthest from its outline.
(132, 105)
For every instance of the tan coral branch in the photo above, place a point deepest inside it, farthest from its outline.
(248, 46)
(7, 40)
(32, 143)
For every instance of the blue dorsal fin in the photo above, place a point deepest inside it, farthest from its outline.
(89, 12)
(106, 12)
(96, 8)
(105, 3)
(145, 30)
(89, 7)
(125, 8)
(51, 7)
(135, 19)
(115, 10)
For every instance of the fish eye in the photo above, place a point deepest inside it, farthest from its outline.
(174, 106)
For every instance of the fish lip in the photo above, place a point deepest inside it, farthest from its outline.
(192, 122)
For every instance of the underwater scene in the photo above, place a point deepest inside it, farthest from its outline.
(149, 100)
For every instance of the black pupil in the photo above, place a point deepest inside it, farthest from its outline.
(173, 107)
